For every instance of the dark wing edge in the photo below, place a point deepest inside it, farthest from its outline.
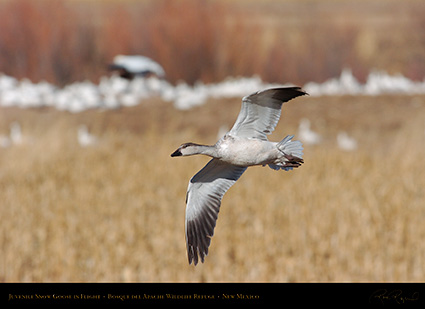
(284, 94)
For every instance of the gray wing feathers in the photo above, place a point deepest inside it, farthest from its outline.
(203, 199)
(261, 110)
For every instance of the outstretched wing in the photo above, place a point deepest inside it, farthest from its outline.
(203, 199)
(261, 110)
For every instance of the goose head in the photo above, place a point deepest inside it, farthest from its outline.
(187, 149)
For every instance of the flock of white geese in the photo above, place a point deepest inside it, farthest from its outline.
(144, 78)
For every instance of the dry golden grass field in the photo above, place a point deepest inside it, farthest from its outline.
(115, 211)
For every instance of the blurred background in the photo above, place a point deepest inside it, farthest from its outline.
(88, 191)
(67, 41)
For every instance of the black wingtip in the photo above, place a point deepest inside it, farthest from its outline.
(192, 255)
(299, 89)
(285, 94)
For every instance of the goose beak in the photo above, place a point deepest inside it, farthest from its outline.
(176, 153)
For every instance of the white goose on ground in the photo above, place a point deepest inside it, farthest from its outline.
(308, 136)
(85, 139)
(346, 142)
(16, 133)
(244, 145)
(14, 138)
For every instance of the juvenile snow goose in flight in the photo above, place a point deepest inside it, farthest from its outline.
(244, 145)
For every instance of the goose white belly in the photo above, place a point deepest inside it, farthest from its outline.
(246, 152)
